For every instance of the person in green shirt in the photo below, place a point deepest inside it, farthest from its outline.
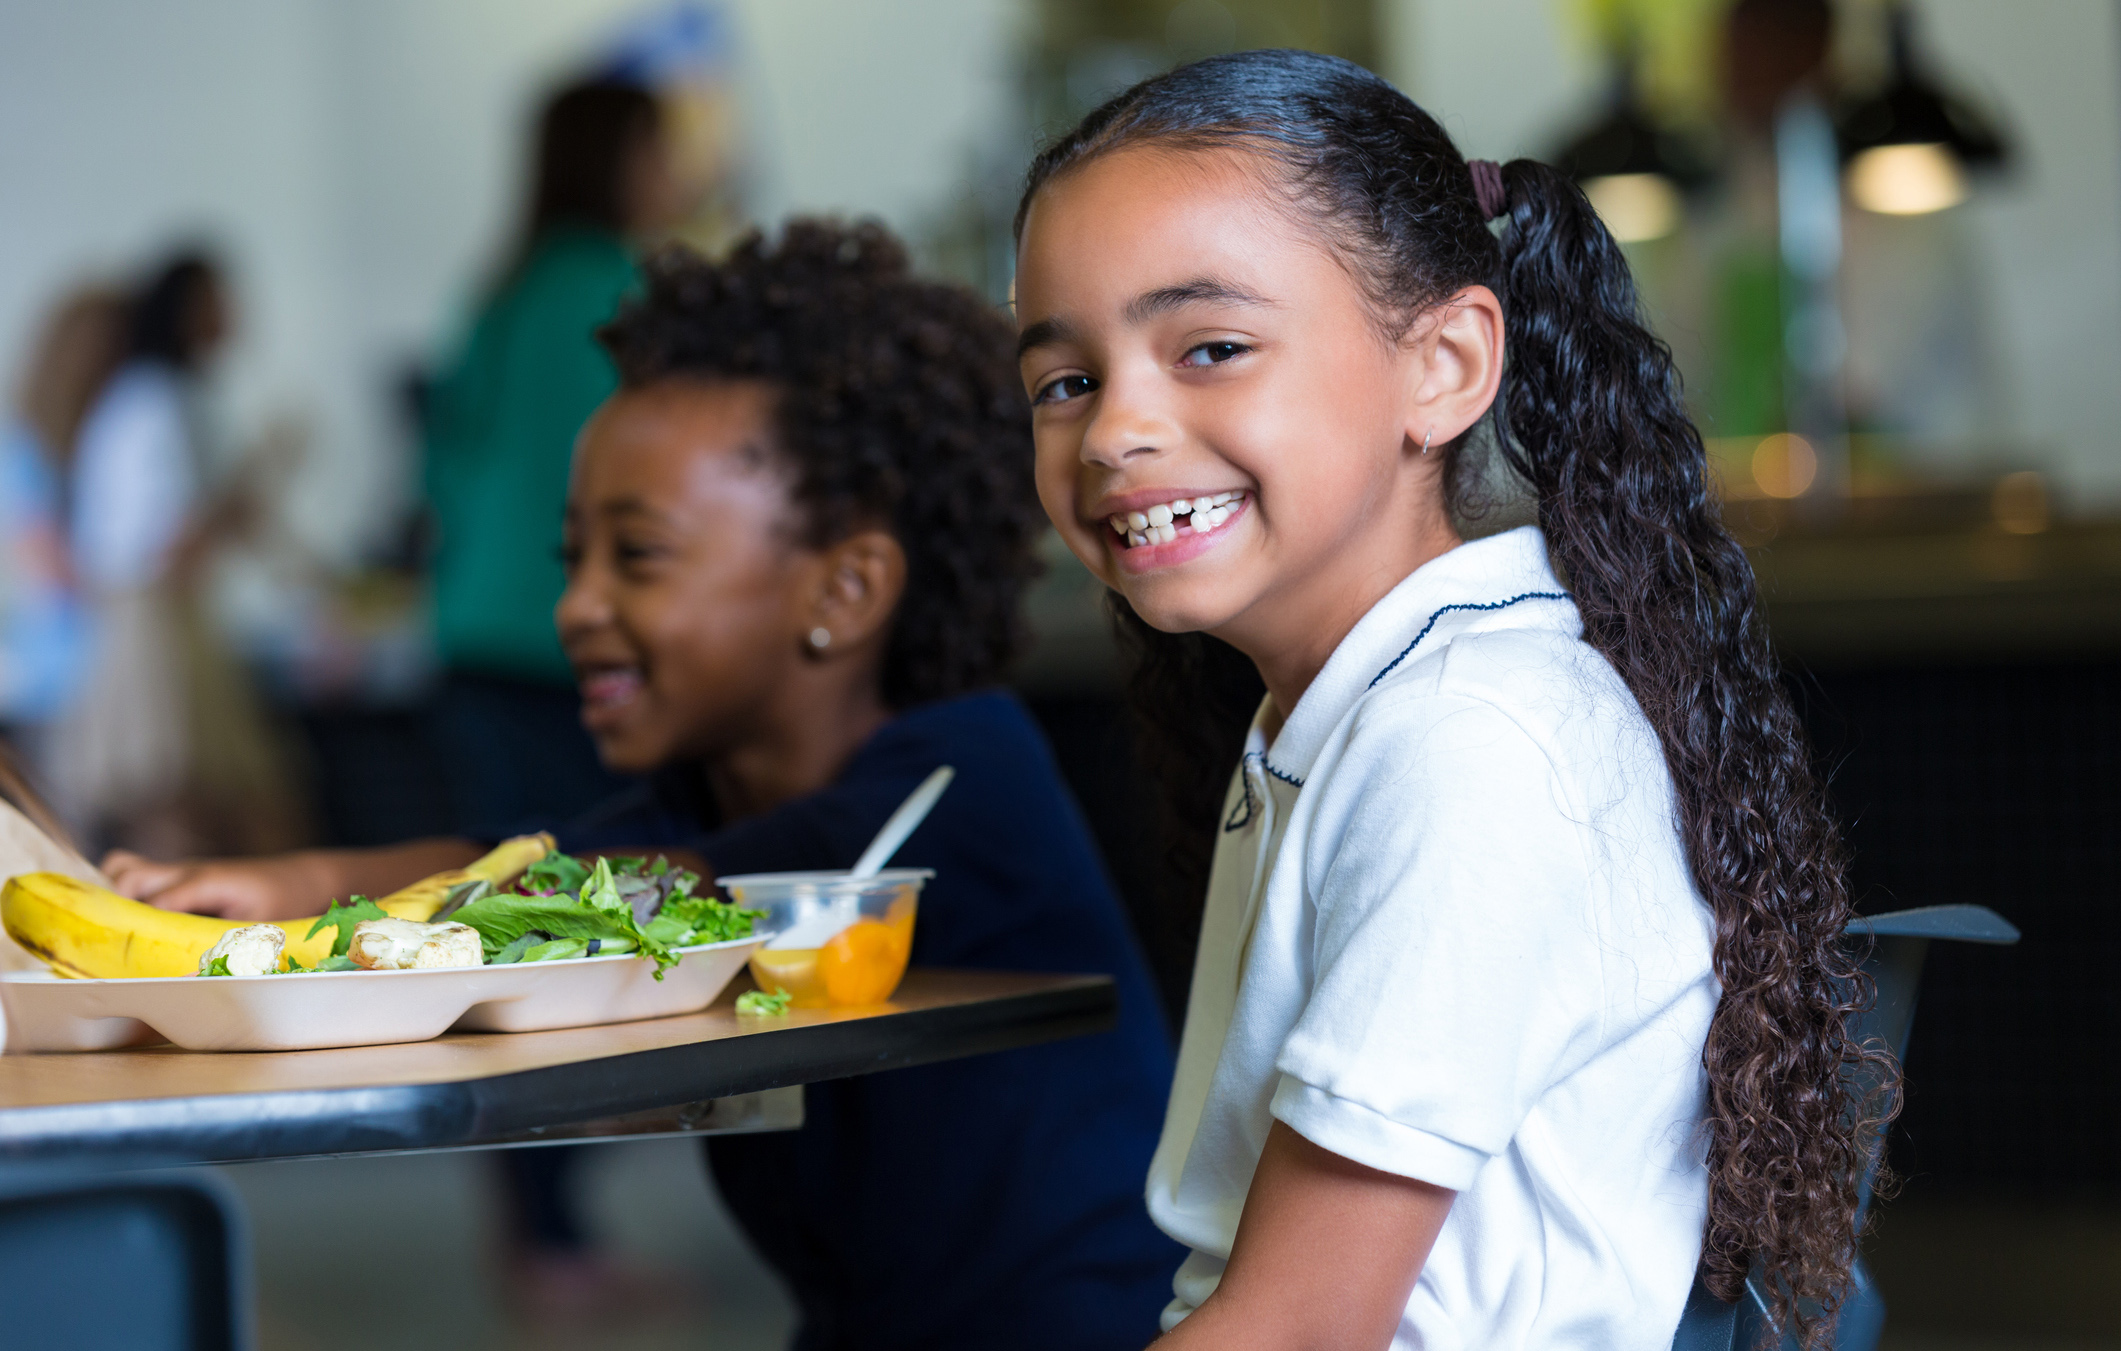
(500, 432)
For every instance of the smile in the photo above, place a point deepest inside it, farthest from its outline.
(1166, 521)
(609, 687)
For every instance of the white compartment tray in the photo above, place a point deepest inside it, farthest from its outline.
(358, 1008)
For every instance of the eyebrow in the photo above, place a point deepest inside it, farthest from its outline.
(628, 506)
(1146, 306)
(1194, 291)
(1044, 333)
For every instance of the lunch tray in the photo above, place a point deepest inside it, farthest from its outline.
(46, 1012)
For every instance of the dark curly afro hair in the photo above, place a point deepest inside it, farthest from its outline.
(900, 405)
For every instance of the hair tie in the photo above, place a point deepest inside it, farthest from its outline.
(1488, 190)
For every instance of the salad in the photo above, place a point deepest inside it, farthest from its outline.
(561, 907)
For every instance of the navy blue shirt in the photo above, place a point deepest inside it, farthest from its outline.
(980, 1203)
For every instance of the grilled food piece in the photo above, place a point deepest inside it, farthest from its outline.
(253, 950)
(408, 945)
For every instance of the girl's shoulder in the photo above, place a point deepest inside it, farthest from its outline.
(1536, 687)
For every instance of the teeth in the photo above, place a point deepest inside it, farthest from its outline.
(1160, 523)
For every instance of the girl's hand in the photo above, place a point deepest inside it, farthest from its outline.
(289, 886)
(251, 890)
(1326, 1256)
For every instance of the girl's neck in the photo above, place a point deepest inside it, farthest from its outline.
(797, 747)
(1296, 631)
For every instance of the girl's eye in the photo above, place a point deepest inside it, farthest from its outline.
(1065, 388)
(570, 555)
(637, 555)
(1212, 353)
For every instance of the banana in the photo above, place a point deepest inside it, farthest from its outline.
(82, 930)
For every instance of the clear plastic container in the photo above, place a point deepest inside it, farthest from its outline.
(836, 940)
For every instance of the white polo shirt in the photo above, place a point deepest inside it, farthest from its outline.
(1451, 934)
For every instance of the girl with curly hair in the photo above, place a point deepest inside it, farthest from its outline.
(1520, 994)
(795, 543)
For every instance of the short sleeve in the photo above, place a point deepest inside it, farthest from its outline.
(1456, 955)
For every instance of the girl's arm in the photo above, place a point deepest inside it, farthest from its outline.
(1326, 1255)
(287, 886)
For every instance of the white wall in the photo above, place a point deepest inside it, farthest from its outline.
(1501, 75)
(1507, 75)
(358, 162)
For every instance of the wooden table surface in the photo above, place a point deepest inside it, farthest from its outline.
(165, 1105)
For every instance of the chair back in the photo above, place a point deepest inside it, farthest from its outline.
(1898, 941)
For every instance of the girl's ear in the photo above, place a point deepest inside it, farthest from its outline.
(859, 582)
(1458, 347)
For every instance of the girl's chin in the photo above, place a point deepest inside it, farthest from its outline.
(623, 744)
(623, 755)
(1176, 605)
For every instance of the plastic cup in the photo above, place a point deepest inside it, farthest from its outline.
(836, 939)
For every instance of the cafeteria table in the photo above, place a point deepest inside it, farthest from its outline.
(702, 1073)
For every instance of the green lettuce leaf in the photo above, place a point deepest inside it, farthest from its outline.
(558, 950)
(516, 947)
(760, 1004)
(343, 918)
(501, 920)
(554, 873)
(686, 919)
(217, 967)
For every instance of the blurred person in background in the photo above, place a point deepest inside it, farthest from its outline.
(500, 435)
(43, 631)
(119, 761)
(166, 750)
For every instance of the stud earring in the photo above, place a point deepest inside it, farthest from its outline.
(820, 638)
(1425, 437)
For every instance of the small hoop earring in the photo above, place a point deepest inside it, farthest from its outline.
(1425, 438)
(820, 638)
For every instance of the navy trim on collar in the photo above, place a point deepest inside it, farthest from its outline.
(1461, 605)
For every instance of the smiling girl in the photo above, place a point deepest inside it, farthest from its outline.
(1520, 993)
(795, 543)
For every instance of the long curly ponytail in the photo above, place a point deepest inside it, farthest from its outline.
(1590, 416)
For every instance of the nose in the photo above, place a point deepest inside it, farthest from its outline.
(1130, 424)
(585, 605)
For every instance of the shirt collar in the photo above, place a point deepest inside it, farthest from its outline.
(1497, 573)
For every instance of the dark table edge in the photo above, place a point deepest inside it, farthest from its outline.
(244, 1127)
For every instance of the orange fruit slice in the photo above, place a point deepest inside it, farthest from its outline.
(862, 963)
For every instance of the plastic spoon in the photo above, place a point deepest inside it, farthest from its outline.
(903, 822)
